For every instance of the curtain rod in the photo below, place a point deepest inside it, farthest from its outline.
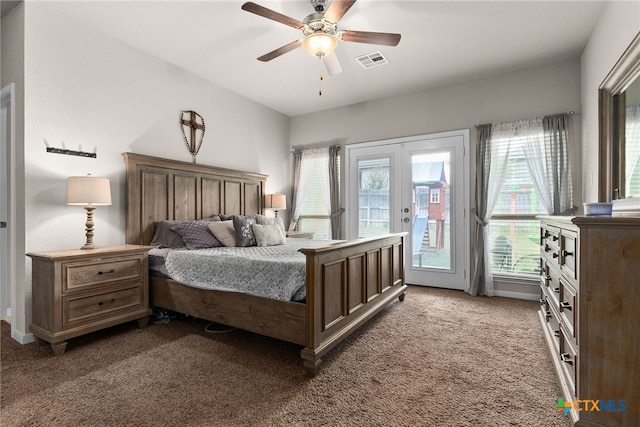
(570, 113)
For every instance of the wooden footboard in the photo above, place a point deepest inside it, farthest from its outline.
(347, 284)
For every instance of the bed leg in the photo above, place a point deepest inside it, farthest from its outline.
(401, 296)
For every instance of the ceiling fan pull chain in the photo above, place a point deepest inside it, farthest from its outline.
(320, 85)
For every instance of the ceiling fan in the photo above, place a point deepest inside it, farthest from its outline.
(320, 31)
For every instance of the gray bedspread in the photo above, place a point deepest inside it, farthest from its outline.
(276, 272)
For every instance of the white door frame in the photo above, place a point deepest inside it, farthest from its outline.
(8, 235)
(351, 226)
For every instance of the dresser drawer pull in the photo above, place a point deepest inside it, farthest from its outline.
(547, 248)
(554, 238)
(556, 290)
(111, 301)
(556, 333)
(566, 358)
(547, 315)
(554, 255)
(566, 253)
(542, 300)
(547, 277)
(100, 273)
(565, 305)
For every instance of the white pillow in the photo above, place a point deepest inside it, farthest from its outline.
(269, 234)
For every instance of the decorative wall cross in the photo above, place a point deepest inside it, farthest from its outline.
(192, 123)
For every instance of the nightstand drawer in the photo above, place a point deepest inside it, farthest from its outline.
(97, 271)
(85, 309)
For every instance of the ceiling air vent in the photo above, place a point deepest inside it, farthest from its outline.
(371, 60)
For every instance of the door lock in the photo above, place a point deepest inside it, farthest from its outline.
(3, 224)
(406, 210)
(406, 220)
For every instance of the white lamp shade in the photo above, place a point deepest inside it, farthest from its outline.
(319, 44)
(88, 190)
(276, 202)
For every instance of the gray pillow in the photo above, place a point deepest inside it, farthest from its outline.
(196, 234)
(224, 232)
(266, 220)
(244, 232)
(164, 237)
(268, 235)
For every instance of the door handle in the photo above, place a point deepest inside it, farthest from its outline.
(406, 220)
(3, 224)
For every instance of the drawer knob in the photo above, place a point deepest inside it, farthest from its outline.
(555, 255)
(111, 301)
(547, 248)
(542, 300)
(556, 290)
(565, 306)
(554, 238)
(100, 273)
(566, 358)
(547, 315)
(556, 333)
(566, 253)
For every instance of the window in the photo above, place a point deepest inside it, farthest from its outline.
(314, 187)
(435, 195)
(513, 227)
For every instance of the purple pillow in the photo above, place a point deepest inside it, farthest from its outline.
(196, 234)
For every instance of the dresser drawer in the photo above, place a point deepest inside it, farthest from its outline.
(83, 309)
(79, 275)
(552, 321)
(568, 309)
(553, 288)
(550, 242)
(568, 241)
(568, 360)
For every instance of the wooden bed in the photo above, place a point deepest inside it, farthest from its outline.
(347, 283)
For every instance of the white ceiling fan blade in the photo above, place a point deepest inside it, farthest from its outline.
(332, 64)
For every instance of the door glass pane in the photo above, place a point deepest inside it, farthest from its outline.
(373, 197)
(431, 234)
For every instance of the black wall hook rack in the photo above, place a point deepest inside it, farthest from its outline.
(71, 152)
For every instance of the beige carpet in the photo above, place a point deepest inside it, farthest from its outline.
(440, 358)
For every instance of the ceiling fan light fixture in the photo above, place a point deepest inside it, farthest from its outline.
(319, 44)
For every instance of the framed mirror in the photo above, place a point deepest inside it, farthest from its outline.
(619, 128)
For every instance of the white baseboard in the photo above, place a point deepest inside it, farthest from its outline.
(517, 295)
(22, 338)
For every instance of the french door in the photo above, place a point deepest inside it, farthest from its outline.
(418, 185)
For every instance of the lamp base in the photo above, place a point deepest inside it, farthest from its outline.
(89, 228)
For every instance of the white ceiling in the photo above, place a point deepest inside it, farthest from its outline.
(443, 42)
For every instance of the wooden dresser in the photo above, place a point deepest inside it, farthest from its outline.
(590, 315)
(81, 291)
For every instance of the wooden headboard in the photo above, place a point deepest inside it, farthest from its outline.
(161, 189)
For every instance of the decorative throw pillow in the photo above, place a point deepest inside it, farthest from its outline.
(266, 220)
(164, 237)
(244, 232)
(268, 235)
(224, 232)
(196, 234)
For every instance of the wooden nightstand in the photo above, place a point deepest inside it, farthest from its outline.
(299, 235)
(80, 291)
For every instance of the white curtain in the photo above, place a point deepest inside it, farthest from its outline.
(632, 151)
(529, 134)
(297, 191)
